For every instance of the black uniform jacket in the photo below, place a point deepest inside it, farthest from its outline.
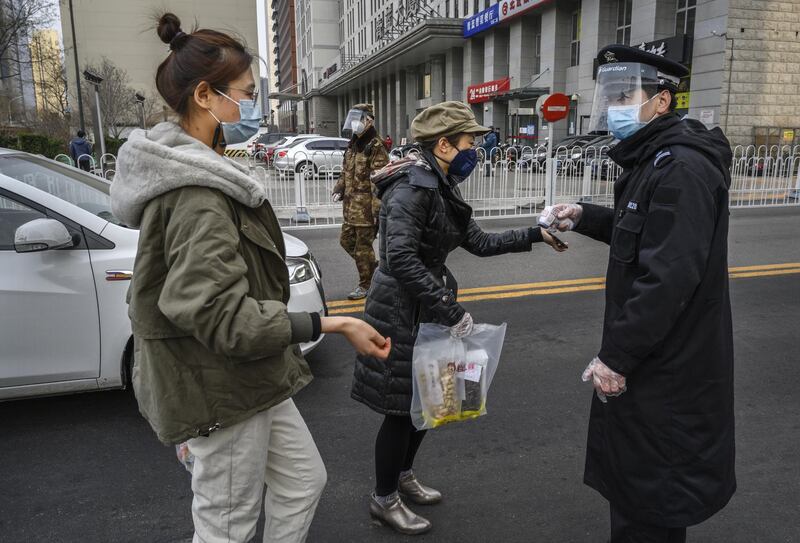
(663, 451)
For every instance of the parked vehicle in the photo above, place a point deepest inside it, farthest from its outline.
(245, 146)
(313, 155)
(66, 264)
(259, 145)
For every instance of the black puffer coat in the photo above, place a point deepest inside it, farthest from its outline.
(423, 218)
(663, 452)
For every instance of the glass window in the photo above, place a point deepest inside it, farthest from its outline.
(624, 8)
(685, 17)
(321, 145)
(83, 190)
(575, 42)
(424, 81)
(12, 216)
(571, 120)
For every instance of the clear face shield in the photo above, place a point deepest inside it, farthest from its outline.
(355, 123)
(623, 85)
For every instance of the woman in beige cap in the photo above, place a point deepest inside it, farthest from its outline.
(423, 218)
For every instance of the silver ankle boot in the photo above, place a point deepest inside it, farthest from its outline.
(397, 516)
(418, 493)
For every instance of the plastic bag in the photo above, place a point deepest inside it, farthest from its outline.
(185, 456)
(451, 377)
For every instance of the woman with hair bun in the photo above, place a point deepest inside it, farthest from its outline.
(216, 356)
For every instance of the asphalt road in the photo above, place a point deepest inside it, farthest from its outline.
(87, 468)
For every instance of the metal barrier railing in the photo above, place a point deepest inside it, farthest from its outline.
(509, 181)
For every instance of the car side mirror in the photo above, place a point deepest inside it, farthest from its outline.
(42, 235)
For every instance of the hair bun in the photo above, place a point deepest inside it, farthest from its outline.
(169, 27)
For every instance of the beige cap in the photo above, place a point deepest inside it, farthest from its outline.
(445, 119)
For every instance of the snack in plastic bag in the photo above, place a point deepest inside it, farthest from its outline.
(451, 376)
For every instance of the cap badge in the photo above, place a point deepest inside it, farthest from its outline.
(610, 56)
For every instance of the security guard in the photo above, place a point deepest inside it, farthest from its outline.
(365, 155)
(661, 430)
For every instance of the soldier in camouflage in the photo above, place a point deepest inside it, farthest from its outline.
(365, 154)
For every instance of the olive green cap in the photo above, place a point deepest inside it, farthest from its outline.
(445, 119)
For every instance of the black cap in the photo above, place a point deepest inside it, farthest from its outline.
(673, 71)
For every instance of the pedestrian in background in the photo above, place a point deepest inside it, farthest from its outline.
(661, 429)
(387, 141)
(365, 154)
(80, 150)
(489, 147)
(423, 218)
(216, 355)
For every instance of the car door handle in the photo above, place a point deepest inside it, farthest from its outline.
(118, 275)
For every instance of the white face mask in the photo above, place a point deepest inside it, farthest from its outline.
(358, 127)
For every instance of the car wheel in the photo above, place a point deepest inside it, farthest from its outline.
(305, 168)
(127, 366)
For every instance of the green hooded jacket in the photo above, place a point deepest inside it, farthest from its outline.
(214, 343)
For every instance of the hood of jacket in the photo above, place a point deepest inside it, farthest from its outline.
(164, 158)
(671, 129)
(419, 167)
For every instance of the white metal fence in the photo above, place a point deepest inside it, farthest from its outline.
(510, 181)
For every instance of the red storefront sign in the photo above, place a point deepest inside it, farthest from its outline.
(483, 92)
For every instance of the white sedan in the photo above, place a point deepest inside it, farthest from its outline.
(65, 264)
(317, 155)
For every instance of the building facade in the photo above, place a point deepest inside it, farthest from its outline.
(125, 33)
(285, 50)
(47, 66)
(501, 56)
(17, 93)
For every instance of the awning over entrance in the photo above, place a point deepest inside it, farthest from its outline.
(287, 96)
(522, 93)
(432, 37)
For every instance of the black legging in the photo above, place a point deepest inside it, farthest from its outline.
(395, 448)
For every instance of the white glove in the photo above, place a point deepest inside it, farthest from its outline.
(463, 328)
(336, 196)
(606, 381)
(560, 217)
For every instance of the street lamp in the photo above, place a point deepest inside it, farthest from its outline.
(140, 100)
(77, 69)
(95, 80)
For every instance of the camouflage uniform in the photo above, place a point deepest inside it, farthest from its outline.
(361, 206)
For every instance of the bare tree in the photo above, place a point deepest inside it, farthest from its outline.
(18, 20)
(49, 76)
(116, 97)
(153, 108)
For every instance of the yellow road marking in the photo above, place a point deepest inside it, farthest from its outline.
(504, 292)
(765, 267)
(764, 273)
(497, 288)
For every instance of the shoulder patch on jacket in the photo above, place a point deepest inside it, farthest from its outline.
(662, 157)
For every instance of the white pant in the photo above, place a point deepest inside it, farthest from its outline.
(231, 467)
